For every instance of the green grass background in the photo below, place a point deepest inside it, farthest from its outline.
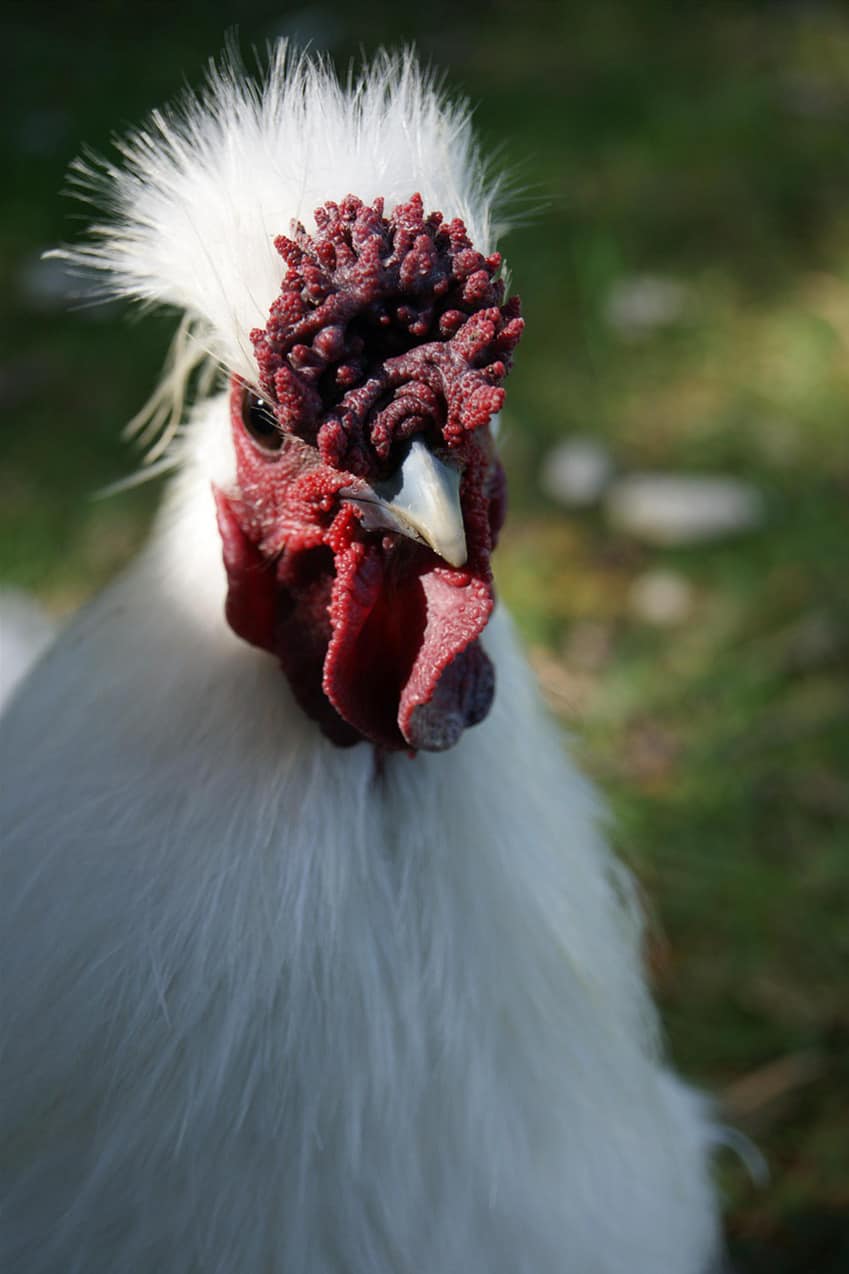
(707, 143)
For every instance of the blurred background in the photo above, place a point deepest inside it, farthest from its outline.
(676, 436)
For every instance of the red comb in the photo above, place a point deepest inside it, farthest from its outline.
(384, 327)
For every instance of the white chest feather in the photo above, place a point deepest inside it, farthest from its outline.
(271, 1008)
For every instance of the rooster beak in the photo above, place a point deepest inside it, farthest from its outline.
(421, 500)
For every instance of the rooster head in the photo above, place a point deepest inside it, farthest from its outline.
(366, 352)
(368, 499)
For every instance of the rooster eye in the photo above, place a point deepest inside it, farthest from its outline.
(259, 420)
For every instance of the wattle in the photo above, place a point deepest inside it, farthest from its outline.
(378, 639)
(404, 665)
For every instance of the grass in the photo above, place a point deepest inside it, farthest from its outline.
(706, 148)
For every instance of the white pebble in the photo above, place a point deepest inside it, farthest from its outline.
(662, 598)
(636, 306)
(673, 509)
(576, 472)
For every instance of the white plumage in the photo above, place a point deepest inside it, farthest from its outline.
(25, 632)
(203, 193)
(267, 1008)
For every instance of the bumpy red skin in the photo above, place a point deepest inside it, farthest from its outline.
(376, 634)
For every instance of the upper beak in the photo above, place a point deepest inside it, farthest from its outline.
(421, 500)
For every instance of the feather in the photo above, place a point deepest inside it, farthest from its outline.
(204, 191)
(25, 633)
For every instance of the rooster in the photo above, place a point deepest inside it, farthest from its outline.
(314, 957)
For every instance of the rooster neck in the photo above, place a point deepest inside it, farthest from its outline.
(378, 992)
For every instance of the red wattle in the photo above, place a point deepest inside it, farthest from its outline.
(452, 682)
(403, 665)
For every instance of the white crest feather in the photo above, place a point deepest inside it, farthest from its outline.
(206, 189)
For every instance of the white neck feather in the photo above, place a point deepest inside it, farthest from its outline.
(407, 1003)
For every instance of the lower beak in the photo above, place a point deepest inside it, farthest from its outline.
(421, 501)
